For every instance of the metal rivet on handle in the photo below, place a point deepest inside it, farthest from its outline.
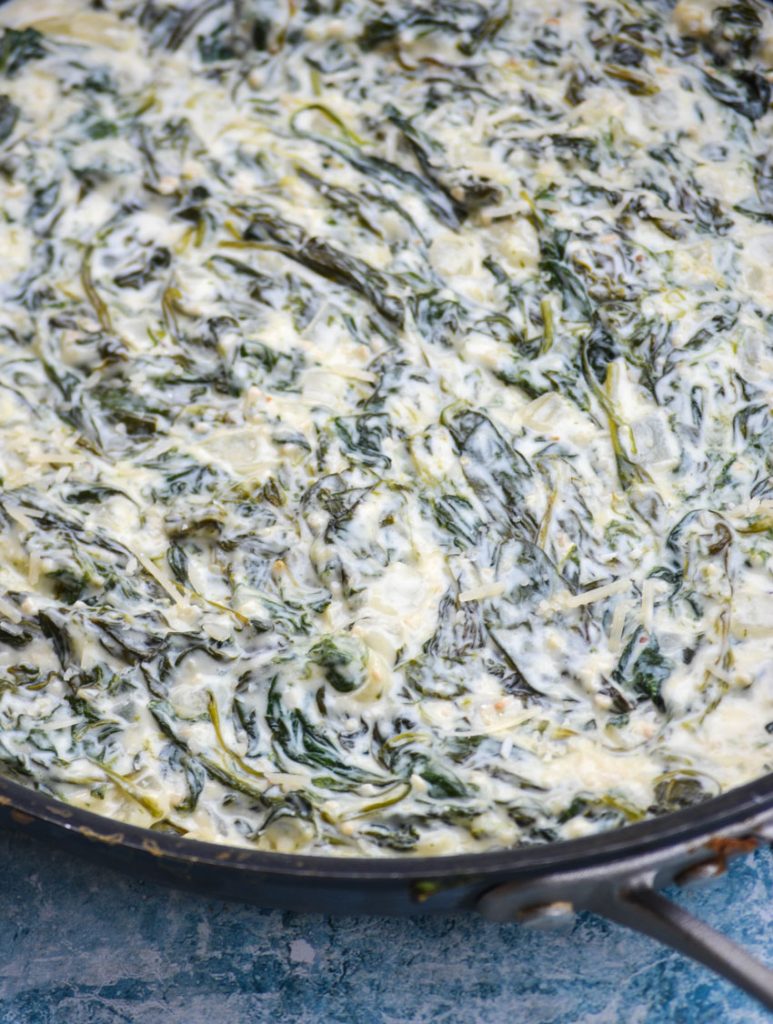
(547, 915)
(706, 871)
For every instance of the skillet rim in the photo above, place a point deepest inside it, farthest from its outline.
(691, 824)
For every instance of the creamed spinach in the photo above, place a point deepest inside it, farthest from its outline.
(386, 414)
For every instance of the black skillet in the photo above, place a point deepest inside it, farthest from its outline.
(617, 873)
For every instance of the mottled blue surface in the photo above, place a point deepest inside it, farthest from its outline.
(84, 945)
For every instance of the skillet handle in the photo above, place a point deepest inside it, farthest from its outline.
(627, 893)
(647, 911)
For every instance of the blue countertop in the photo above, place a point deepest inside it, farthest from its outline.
(84, 945)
